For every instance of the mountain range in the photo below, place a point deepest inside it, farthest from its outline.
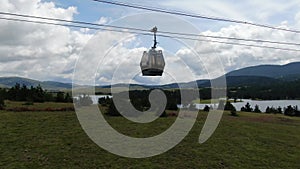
(286, 72)
(49, 85)
(262, 74)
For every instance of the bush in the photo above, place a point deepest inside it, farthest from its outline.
(247, 108)
(112, 110)
(104, 101)
(256, 109)
(273, 110)
(228, 106)
(279, 110)
(231, 108)
(164, 114)
(233, 112)
(28, 104)
(171, 106)
(206, 108)
(291, 111)
(2, 104)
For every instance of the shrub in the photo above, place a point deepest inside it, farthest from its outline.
(112, 110)
(256, 109)
(104, 101)
(206, 108)
(164, 114)
(247, 108)
(229, 107)
(28, 104)
(233, 112)
(273, 110)
(290, 111)
(172, 114)
(2, 104)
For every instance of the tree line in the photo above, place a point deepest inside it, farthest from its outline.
(276, 91)
(33, 94)
(140, 101)
(288, 111)
(228, 106)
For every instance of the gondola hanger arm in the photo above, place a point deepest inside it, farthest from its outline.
(154, 30)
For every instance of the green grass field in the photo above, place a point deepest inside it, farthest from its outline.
(13, 104)
(56, 140)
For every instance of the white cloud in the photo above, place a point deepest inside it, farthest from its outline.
(252, 10)
(208, 8)
(234, 57)
(297, 20)
(103, 20)
(34, 50)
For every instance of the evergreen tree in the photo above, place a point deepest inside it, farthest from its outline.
(233, 112)
(228, 106)
(256, 109)
(289, 111)
(60, 97)
(112, 110)
(268, 110)
(23, 93)
(68, 98)
(247, 108)
(2, 104)
(163, 114)
(206, 108)
(231, 108)
(279, 110)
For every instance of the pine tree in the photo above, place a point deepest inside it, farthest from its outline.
(2, 104)
(231, 108)
(206, 108)
(256, 109)
(60, 97)
(247, 108)
(268, 110)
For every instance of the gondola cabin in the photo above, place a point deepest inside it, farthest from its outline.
(153, 63)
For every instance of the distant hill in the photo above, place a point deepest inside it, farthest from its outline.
(255, 75)
(285, 72)
(11, 81)
(56, 85)
(249, 80)
(49, 85)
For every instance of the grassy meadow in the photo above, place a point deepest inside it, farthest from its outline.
(55, 139)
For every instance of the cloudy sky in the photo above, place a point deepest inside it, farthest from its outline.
(46, 52)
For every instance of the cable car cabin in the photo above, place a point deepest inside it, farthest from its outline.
(153, 63)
